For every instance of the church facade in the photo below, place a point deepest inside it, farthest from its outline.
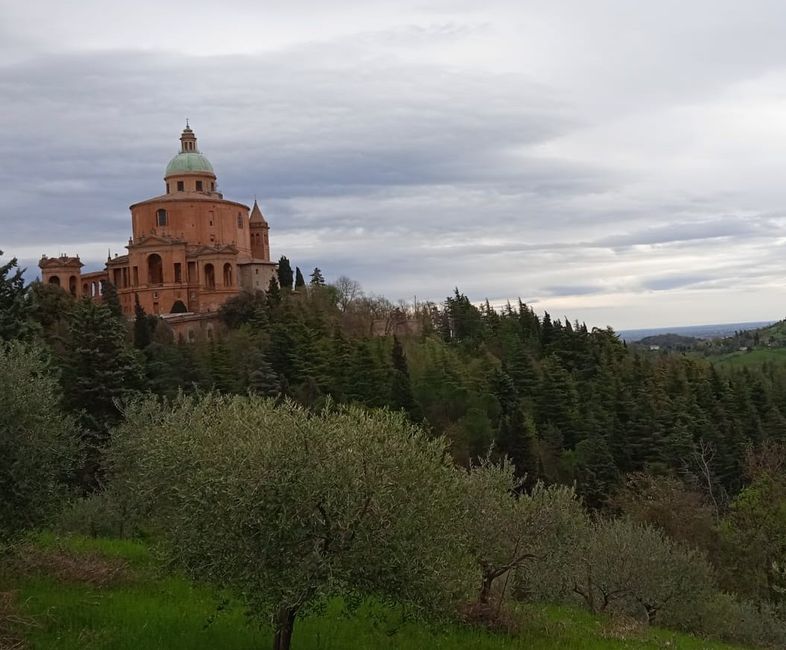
(190, 249)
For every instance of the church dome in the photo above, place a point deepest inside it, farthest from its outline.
(189, 162)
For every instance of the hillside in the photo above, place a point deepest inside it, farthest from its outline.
(73, 593)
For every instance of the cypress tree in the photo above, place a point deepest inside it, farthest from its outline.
(142, 331)
(299, 281)
(284, 273)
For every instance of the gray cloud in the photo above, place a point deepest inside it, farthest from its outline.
(578, 156)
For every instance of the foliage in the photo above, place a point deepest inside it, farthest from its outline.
(284, 273)
(300, 281)
(667, 503)
(625, 566)
(143, 334)
(247, 308)
(13, 306)
(505, 528)
(298, 506)
(99, 367)
(38, 443)
(753, 535)
(110, 298)
(317, 279)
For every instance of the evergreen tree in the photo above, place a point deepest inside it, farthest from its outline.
(14, 322)
(515, 432)
(110, 298)
(50, 307)
(595, 470)
(284, 273)
(299, 281)
(142, 331)
(262, 380)
(273, 292)
(100, 370)
(401, 387)
(317, 279)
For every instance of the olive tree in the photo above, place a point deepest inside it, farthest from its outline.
(39, 444)
(636, 568)
(507, 527)
(289, 507)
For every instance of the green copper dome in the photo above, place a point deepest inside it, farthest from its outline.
(189, 162)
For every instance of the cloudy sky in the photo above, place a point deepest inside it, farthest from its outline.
(618, 162)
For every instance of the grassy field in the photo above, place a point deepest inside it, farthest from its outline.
(78, 593)
(751, 358)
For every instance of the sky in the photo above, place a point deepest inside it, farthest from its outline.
(620, 163)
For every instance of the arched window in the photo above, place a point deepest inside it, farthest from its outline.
(155, 269)
(54, 280)
(72, 285)
(161, 218)
(210, 276)
(227, 275)
(85, 289)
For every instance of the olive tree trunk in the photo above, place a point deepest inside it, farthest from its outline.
(285, 623)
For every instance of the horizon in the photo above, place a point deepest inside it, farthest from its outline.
(608, 163)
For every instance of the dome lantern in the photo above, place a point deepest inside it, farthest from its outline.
(189, 160)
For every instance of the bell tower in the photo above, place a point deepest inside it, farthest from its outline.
(260, 234)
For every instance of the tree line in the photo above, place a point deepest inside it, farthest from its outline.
(551, 461)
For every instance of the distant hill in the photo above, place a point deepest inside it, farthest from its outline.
(669, 341)
(696, 331)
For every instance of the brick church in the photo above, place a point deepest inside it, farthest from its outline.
(190, 249)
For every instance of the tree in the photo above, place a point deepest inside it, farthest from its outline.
(110, 298)
(284, 272)
(635, 568)
(38, 442)
(273, 292)
(262, 380)
(348, 291)
(246, 308)
(50, 308)
(667, 503)
(506, 528)
(299, 281)
(317, 279)
(142, 331)
(13, 306)
(595, 470)
(401, 387)
(340, 502)
(99, 367)
(753, 533)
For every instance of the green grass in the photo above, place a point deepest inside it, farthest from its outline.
(148, 609)
(751, 358)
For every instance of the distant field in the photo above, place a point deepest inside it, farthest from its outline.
(752, 358)
(696, 331)
(70, 594)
